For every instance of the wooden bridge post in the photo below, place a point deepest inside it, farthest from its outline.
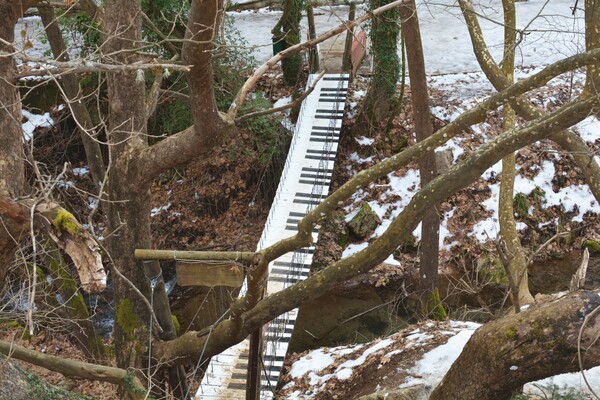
(313, 53)
(347, 58)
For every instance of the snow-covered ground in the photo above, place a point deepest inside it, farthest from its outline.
(550, 31)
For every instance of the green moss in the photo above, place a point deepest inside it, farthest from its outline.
(435, 308)
(109, 350)
(127, 319)
(592, 246)
(511, 333)
(176, 324)
(41, 275)
(65, 221)
(13, 324)
(129, 382)
(69, 290)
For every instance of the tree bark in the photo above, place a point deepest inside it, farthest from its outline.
(128, 211)
(424, 128)
(592, 41)
(517, 263)
(14, 226)
(13, 219)
(384, 33)
(542, 341)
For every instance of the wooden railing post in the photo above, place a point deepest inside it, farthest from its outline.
(313, 53)
(347, 60)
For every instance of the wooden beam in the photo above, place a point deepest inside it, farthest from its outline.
(148, 254)
(209, 274)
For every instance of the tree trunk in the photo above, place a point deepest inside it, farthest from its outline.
(424, 128)
(384, 32)
(71, 89)
(128, 212)
(592, 41)
(517, 263)
(287, 31)
(505, 354)
(12, 158)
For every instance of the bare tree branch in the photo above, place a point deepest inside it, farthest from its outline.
(53, 67)
(77, 369)
(569, 141)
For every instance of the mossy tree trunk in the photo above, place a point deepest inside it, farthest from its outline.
(134, 164)
(542, 341)
(287, 30)
(384, 34)
(517, 263)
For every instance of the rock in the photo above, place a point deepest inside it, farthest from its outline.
(443, 160)
(364, 222)
(333, 239)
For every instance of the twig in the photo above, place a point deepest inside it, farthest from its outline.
(546, 243)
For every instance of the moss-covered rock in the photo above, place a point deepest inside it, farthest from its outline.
(364, 222)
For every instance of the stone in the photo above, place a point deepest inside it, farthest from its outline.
(364, 222)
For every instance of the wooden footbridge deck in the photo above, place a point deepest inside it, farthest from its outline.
(303, 185)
